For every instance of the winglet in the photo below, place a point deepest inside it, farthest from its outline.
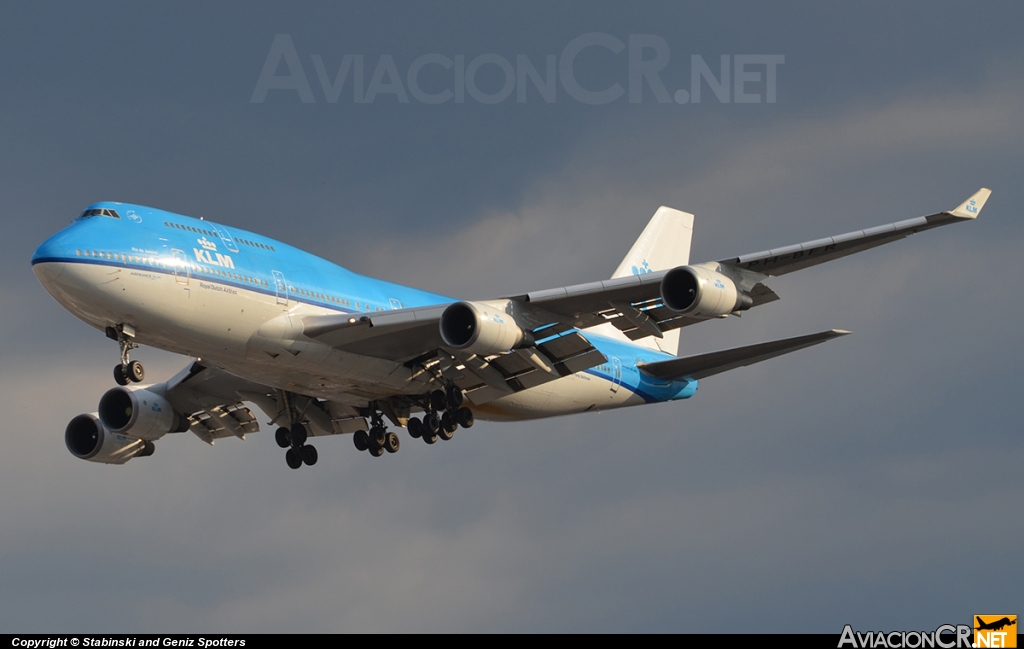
(970, 208)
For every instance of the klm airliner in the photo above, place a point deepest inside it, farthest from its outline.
(322, 350)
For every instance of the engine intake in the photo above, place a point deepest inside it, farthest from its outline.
(139, 413)
(482, 328)
(87, 439)
(701, 292)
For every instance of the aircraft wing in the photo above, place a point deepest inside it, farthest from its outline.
(633, 304)
(704, 365)
(213, 400)
(412, 337)
(780, 261)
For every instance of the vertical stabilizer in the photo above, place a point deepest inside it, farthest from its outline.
(664, 244)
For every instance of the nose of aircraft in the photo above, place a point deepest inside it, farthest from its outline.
(48, 260)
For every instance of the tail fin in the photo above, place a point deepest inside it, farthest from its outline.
(664, 244)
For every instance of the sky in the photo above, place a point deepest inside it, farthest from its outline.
(868, 481)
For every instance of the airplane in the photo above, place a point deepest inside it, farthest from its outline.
(322, 350)
(995, 625)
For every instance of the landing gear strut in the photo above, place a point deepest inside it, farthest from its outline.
(294, 437)
(128, 371)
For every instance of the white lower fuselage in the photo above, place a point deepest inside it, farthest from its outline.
(253, 334)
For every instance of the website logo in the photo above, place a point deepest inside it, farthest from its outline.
(995, 631)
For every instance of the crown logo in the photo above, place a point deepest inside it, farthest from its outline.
(206, 243)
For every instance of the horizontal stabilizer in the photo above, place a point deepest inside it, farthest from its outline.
(704, 365)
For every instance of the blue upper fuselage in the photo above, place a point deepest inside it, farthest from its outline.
(129, 236)
(135, 236)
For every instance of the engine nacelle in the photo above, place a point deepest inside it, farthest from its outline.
(701, 292)
(88, 439)
(139, 413)
(482, 328)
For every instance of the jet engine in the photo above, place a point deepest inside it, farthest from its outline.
(701, 292)
(139, 413)
(88, 439)
(482, 328)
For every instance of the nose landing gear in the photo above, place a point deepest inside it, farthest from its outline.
(128, 371)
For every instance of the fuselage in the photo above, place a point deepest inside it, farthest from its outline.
(236, 299)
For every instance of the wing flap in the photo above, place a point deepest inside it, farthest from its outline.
(486, 379)
(704, 365)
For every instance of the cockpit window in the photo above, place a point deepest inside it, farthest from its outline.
(100, 212)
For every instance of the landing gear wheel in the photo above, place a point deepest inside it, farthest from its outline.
(391, 443)
(415, 427)
(361, 440)
(120, 376)
(431, 423)
(298, 434)
(377, 435)
(293, 459)
(309, 455)
(448, 426)
(135, 372)
(465, 417)
(438, 400)
(454, 398)
(429, 437)
(376, 450)
(283, 438)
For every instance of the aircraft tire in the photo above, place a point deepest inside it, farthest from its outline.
(465, 417)
(415, 427)
(135, 372)
(448, 426)
(429, 437)
(293, 459)
(438, 400)
(431, 423)
(378, 435)
(376, 450)
(309, 455)
(392, 443)
(361, 440)
(120, 376)
(298, 434)
(283, 437)
(455, 398)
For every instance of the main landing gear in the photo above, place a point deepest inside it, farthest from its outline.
(128, 371)
(433, 427)
(294, 439)
(378, 440)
